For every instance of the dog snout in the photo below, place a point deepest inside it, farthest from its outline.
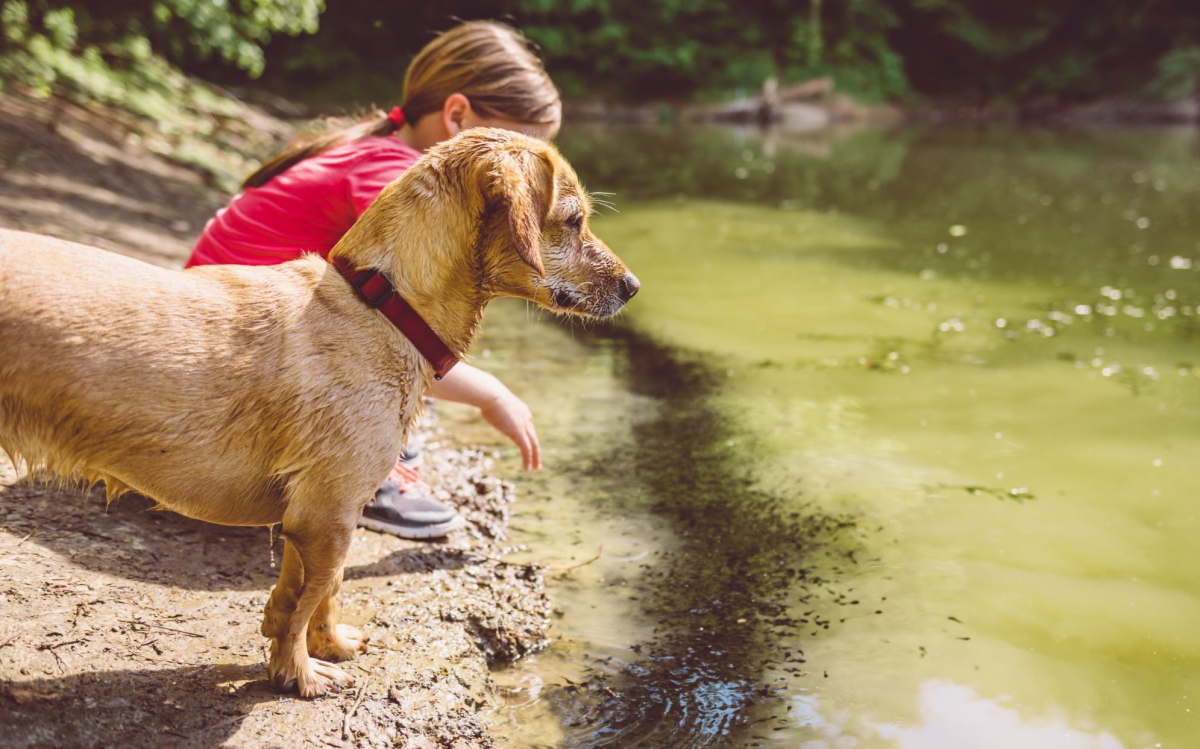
(628, 286)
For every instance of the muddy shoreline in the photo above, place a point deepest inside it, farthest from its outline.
(133, 628)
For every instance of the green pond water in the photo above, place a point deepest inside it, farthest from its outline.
(897, 447)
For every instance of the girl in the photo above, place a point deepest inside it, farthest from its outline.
(479, 74)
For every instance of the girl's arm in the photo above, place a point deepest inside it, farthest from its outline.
(507, 413)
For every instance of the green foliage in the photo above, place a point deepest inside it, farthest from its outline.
(1178, 74)
(185, 31)
(1053, 50)
(874, 49)
(56, 51)
(854, 49)
(621, 49)
(232, 31)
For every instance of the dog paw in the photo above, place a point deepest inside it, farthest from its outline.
(312, 678)
(321, 678)
(340, 645)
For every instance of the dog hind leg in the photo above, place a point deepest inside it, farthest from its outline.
(283, 598)
(320, 547)
(329, 640)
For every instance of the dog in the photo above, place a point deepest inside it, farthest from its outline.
(260, 395)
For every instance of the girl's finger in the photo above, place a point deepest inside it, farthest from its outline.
(536, 460)
(526, 451)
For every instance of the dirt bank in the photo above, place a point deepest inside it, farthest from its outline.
(132, 628)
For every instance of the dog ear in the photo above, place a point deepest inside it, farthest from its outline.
(525, 186)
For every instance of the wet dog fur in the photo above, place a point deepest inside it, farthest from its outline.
(262, 395)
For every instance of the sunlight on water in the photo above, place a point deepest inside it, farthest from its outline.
(953, 716)
(962, 366)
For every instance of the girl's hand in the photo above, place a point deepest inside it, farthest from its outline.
(498, 406)
(509, 415)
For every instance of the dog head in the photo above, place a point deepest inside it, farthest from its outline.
(533, 240)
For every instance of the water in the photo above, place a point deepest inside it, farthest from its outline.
(896, 448)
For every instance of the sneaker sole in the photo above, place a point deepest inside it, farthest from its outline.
(413, 532)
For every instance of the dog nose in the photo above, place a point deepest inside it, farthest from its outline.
(628, 286)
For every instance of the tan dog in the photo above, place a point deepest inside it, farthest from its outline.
(260, 395)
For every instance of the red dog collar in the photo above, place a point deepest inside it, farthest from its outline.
(377, 291)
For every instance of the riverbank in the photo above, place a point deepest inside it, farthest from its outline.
(816, 104)
(129, 628)
(807, 106)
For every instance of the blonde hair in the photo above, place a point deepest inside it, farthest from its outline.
(488, 62)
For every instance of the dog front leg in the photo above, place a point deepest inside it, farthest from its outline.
(320, 548)
(285, 594)
(329, 640)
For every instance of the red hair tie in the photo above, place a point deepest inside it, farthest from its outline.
(397, 116)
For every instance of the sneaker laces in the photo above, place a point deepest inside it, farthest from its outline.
(406, 478)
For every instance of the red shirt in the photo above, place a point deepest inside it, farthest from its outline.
(307, 208)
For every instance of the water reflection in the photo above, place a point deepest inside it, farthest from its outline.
(953, 716)
(722, 595)
(949, 716)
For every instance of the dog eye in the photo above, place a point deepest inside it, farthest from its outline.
(576, 222)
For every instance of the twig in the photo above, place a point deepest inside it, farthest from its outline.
(10, 639)
(53, 651)
(565, 570)
(62, 668)
(30, 533)
(44, 646)
(362, 695)
(135, 623)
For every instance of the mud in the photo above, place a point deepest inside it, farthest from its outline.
(122, 627)
(137, 628)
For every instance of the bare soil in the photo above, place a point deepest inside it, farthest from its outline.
(83, 173)
(122, 627)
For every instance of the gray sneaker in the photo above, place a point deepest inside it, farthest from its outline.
(411, 513)
(411, 457)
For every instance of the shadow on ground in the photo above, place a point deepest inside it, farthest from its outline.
(163, 548)
(132, 707)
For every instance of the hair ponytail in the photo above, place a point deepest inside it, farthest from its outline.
(312, 144)
(489, 63)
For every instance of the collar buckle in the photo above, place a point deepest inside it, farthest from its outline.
(374, 289)
(378, 293)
